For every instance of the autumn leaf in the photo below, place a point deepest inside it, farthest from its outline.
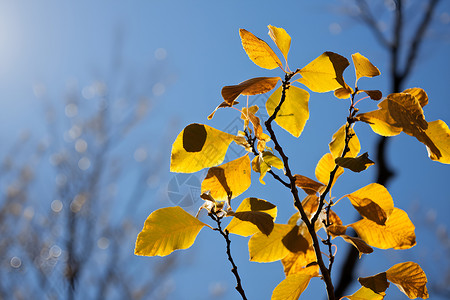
(359, 244)
(366, 294)
(377, 283)
(281, 39)
(419, 94)
(258, 51)
(439, 134)
(269, 248)
(232, 178)
(324, 74)
(294, 285)
(254, 86)
(324, 167)
(294, 112)
(356, 164)
(397, 233)
(410, 279)
(295, 262)
(166, 230)
(197, 147)
(338, 142)
(264, 162)
(363, 67)
(221, 105)
(373, 94)
(247, 228)
(262, 220)
(311, 187)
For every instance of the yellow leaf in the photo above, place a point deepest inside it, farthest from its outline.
(324, 74)
(338, 142)
(263, 248)
(264, 162)
(419, 94)
(293, 285)
(380, 120)
(294, 111)
(336, 230)
(366, 294)
(262, 220)
(410, 279)
(377, 283)
(324, 167)
(166, 230)
(363, 67)
(373, 202)
(281, 39)
(258, 51)
(254, 86)
(343, 92)
(246, 228)
(295, 262)
(397, 233)
(295, 240)
(358, 243)
(439, 133)
(373, 94)
(232, 178)
(356, 164)
(197, 147)
(223, 104)
(311, 187)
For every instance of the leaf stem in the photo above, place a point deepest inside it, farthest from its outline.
(225, 235)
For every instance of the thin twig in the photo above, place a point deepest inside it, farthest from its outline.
(234, 270)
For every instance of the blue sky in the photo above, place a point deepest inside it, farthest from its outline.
(56, 42)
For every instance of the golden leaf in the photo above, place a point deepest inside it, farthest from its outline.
(373, 94)
(258, 51)
(439, 133)
(373, 202)
(254, 86)
(366, 294)
(197, 147)
(264, 162)
(338, 142)
(324, 167)
(324, 74)
(269, 248)
(293, 285)
(232, 178)
(419, 94)
(358, 243)
(295, 262)
(245, 228)
(294, 112)
(356, 164)
(311, 187)
(262, 220)
(281, 39)
(397, 233)
(166, 230)
(410, 279)
(363, 67)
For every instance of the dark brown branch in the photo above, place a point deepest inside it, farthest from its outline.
(234, 270)
(294, 191)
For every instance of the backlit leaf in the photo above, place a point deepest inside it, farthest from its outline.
(363, 67)
(410, 279)
(366, 294)
(324, 74)
(293, 285)
(380, 120)
(254, 86)
(295, 262)
(419, 94)
(356, 164)
(166, 230)
(343, 92)
(397, 233)
(262, 220)
(258, 51)
(263, 248)
(246, 228)
(311, 187)
(232, 178)
(373, 94)
(294, 111)
(439, 133)
(264, 162)
(281, 39)
(324, 167)
(338, 142)
(221, 105)
(377, 283)
(295, 240)
(359, 244)
(197, 147)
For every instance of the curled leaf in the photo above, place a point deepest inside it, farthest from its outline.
(439, 134)
(356, 164)
(311, 187)
(258, 51)
(410, 279)
(377, 283)
(359, 244)
(254, 86)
